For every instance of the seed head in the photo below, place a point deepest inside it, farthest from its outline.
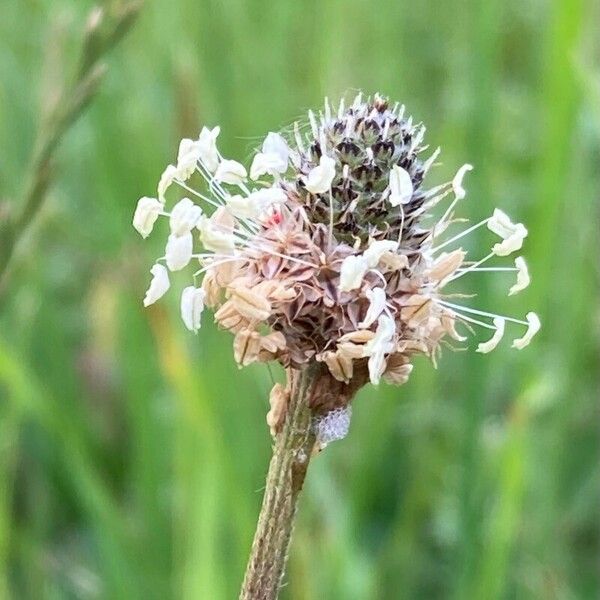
(328, 252)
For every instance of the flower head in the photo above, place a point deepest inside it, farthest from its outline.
(334, 257)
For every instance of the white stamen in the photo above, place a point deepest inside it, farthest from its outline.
(166, 179)
(231, 172)
(459, 191)
(191, 307)
(376, 272)
(187, 157)
(184, 216)
(286, 256)
(437, 190)
(178, 251)
(523, 278)
(187, 188)
(489, 269)
(460, 235)
(474, 321)
(533, 326)
(207, 148)
(217, 263)
(320, 178)
(485, 347)
(214, 237)
(352, 272)
(377, 249)
(272, 159)
(400, 185)
(401, 224)
(380, 345)
(213, 184)
(472, 267)
(158, 285)
(457, 198)
(201, 256)
(439, 226)
(482, 313)
(146, 214)
(512, 234)
(377, 303)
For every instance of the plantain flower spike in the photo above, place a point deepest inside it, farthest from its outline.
(333, 252)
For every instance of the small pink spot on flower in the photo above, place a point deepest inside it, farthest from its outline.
(275, 219)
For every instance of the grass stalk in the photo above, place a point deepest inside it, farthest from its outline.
(100, 36)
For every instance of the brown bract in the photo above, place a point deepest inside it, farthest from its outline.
(278, 401)
(281, 299)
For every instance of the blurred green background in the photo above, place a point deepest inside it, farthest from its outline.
(132, 453)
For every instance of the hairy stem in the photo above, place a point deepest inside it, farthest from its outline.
(287, 470)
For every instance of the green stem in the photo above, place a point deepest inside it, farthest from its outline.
(287, 470)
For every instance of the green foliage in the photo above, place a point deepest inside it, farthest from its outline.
(132, 453)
